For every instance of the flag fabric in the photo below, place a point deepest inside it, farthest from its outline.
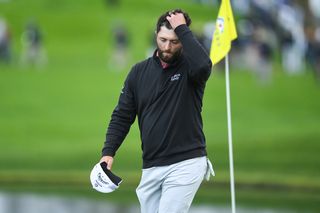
(225, 32)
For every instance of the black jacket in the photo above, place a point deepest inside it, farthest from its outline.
(168, 104)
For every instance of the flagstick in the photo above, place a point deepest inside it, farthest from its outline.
(233, 201)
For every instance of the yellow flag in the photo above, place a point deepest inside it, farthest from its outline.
(224, 33)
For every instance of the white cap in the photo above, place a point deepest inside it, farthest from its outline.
(103, 180)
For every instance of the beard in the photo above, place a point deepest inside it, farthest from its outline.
(169, 57)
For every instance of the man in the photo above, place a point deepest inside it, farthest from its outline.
(165, 91)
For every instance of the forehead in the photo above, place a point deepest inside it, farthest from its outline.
(167, 33)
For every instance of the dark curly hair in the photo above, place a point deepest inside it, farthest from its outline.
(162, 21)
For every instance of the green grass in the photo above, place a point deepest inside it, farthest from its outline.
(53, 120)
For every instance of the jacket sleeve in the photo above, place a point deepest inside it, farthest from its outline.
(122, 118)
(197, 57)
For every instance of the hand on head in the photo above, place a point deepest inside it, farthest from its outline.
(176, 19)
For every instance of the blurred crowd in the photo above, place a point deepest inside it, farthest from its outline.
(273, 30)
(281, 31)
(270, 32)
(32, 51)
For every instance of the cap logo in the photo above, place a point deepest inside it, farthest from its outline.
(101, 180)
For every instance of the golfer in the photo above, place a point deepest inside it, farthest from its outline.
(165, 92)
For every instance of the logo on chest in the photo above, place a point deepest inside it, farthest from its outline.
(175, 77)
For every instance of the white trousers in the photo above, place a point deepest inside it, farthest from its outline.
(171, 189)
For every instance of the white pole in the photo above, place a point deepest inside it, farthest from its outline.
(233, 201)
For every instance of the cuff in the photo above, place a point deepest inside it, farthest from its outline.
(181, 30)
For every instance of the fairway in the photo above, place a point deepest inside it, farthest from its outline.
(53, 119)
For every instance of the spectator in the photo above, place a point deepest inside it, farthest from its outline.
(5, 54)
(291, 20)
(314, 6)
(33, 52)
(313, 51)
(152, 44)
(208, 30)
(120, 55)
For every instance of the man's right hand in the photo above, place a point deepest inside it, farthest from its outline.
(176, 19)
(108, 160)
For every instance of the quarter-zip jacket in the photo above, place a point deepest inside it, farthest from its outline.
(168, 104)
